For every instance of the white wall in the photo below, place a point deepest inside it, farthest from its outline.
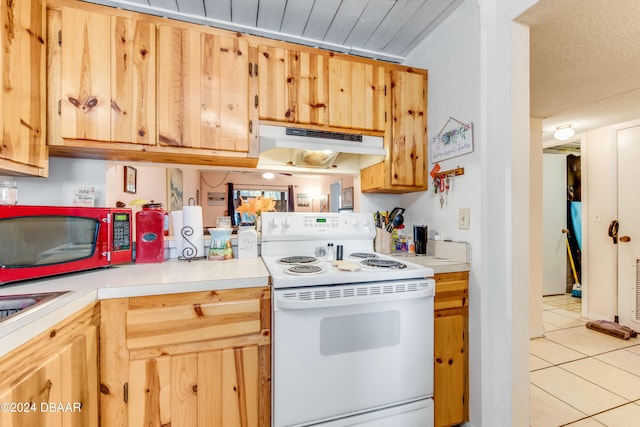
(451, 54)
(475, 77)
(65, 176)
(313, 185)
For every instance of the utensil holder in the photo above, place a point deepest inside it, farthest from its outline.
(383, 241)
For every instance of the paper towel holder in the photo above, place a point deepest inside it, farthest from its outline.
(189, 251)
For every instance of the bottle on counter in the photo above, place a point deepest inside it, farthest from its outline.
(330, 252)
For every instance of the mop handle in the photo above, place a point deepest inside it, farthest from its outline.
(573, 267)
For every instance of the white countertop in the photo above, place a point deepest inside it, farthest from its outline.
(128, 280)
(438, 264)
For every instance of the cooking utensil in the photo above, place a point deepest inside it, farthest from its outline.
(398, 220)
(395, 212)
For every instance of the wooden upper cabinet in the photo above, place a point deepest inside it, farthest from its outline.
(107, 78)
(203, 87)
(22, 99)
(405, 167)
(356, 95)
(292, 85)
(409, 133)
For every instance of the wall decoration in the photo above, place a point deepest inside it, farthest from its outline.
(130, 179)
(304, 200)
(323, 201)
(216, 199)
(347, 198)
(174, 189)
(454, 139)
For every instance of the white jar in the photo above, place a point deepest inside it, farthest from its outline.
(247, 242)
(8, 193)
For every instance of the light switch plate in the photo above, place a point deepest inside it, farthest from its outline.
(463, 218)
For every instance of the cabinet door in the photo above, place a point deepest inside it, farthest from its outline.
(203, 90)
(62, 391)
(108, 90)
(356, 95)
(211, 388)
(449, 370)
(409, 129)
(22, 109)
(292, 86)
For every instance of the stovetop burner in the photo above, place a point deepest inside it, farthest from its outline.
(382, 263)
(298, 260)
(304, 270)
(363, 255)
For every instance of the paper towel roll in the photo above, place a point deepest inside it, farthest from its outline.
(192, 232)
(176, 222)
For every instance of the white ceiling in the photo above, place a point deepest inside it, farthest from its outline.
(585, 62)
(379, 29)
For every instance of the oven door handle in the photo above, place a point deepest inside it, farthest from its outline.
(297, 304)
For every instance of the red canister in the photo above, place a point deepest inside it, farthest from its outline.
(150, 226)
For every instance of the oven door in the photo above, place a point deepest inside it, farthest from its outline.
(350, 349)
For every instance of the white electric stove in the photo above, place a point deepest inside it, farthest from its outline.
(352, 338)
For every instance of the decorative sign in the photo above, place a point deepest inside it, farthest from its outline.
(84, 196)
(455, 139)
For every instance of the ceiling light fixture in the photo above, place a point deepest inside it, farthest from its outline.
(268, 175)
(564, 132)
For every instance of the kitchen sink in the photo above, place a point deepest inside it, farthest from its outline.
(11, 305)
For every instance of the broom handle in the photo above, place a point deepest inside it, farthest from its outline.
(573, 267)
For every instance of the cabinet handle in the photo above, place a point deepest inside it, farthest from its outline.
(250, 69)
(125, 392)
(255, 70)
(256, 101)
(250, 126)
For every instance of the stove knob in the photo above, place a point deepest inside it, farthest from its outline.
(273, 223)
(365, 222)
(285, 223)
(354, 221)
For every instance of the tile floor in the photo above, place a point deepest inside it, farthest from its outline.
(580, 377)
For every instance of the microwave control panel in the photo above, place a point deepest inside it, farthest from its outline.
(121, 231)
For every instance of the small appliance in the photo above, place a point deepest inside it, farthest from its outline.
(41, 241)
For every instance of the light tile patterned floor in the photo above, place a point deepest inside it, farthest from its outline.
(580, 377)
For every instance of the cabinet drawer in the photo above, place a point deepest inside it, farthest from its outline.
(451, 291)
(185, 323)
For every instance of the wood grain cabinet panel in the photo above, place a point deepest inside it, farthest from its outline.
(451, 349)
(356, 95)
(193, 359)
(405, 167)
(107, 78)
(23, 148)
(55, 375)
(203, 90)
(292, 85)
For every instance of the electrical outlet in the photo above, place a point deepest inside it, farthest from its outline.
(463, 218)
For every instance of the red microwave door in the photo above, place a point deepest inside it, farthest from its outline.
(52, 241)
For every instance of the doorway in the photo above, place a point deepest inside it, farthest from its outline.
(562, 220)
(334, 195)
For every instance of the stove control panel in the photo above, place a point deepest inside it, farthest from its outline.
(291, 224)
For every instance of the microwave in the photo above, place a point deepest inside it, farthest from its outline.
(42, 241)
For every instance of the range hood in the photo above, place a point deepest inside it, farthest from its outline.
(309, 150)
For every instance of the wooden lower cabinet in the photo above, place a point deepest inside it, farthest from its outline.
(451, 349)
(193, 359)
(52, 380)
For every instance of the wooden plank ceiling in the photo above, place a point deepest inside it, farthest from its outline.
(381, 29)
